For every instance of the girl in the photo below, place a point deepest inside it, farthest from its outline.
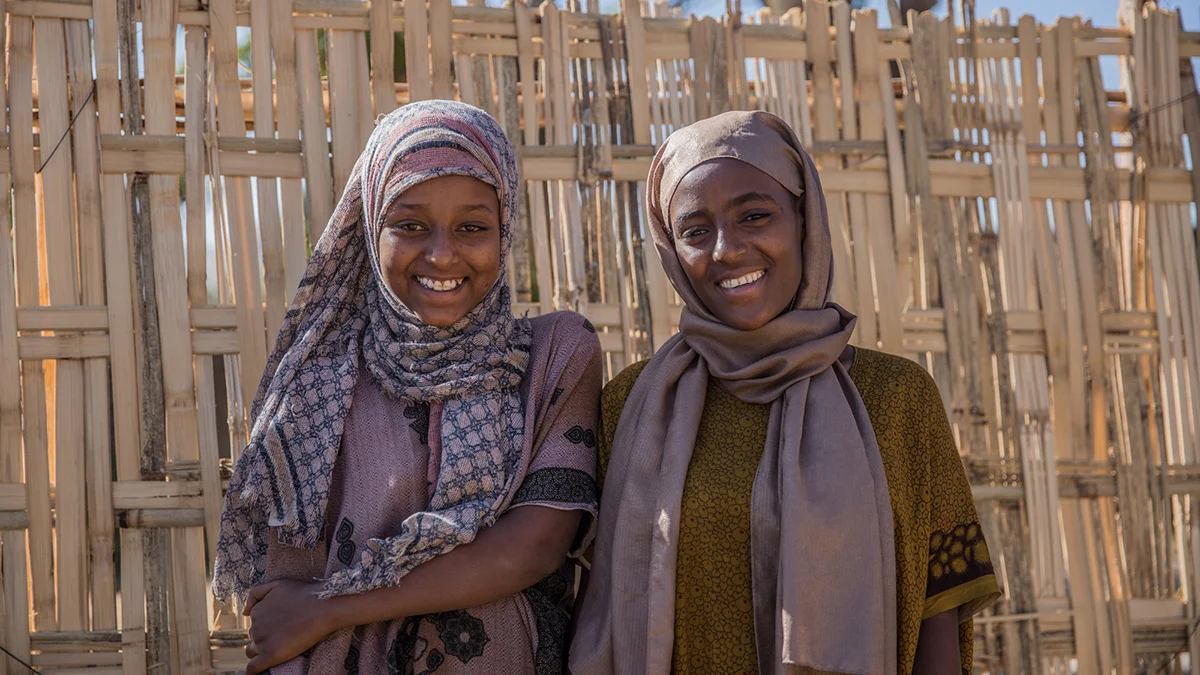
(774, 500)
(421, 461)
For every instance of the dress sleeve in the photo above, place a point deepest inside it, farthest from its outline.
(960, 566)
(562, 474)
(960, 573)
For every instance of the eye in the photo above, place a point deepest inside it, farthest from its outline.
(694, 232)
(756, 215)
(472, 228)
(405, 226)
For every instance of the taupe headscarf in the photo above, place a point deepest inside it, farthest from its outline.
(822, 547)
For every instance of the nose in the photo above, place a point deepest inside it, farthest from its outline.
(440, 250)
(729, 245)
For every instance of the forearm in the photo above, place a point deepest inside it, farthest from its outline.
(937, 646)
(522, 547)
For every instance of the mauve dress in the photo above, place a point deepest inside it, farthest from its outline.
(386, 471)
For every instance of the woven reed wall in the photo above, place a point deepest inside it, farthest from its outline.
(1001, 217)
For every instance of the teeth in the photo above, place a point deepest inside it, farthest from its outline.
(743, 280)
(438, 284)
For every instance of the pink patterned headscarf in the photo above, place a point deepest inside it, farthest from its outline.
(343, 315)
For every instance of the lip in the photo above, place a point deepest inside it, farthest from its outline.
(745, 289)
(416, 279)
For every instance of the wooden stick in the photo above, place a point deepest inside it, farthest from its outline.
(416, 50)
(267, 189)
(383, 47)
(247, 275)
(343, 105)
(12, 469)
(98, 450)
(441, 48)
(318, 172)
(283, 45)
(891, 291)
(190, 616)
(71, 539)
(120, 300)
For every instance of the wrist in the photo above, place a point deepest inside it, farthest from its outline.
(336, 613)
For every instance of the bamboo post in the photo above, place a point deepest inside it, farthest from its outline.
(287, 95)
(120, 292)
(12, 470)
(190, 615)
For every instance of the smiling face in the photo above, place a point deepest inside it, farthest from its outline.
(439, 247)
(737, 235)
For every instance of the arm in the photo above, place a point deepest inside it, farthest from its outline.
(937, 646)
(524, 546)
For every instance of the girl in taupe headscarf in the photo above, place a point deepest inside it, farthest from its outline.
(774, 500)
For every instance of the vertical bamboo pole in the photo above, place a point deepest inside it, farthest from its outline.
(867, 330)
(343, 105)
(283, 46)
(383, 47)
(61, 260)
(267, 189)
(441, 48)
(195, 160)
(416, 50)
(190, 616)
(318, 172)
(825, 128)
(247, 275)
(12, 464)
(536, 190)
(98, 449)
(124, 368)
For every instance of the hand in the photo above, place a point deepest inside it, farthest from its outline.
(287, 618)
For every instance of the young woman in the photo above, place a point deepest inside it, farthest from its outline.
(774, 500)
(421, 461)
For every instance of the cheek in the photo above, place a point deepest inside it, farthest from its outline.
(392, 256)
(484, 259)
(692, 260)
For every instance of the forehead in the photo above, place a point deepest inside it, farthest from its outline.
(711, 186)
(460, 189)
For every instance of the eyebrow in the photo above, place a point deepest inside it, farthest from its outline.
(736, 201)
(468, 208)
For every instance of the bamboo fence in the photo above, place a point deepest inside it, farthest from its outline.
(1001, 216)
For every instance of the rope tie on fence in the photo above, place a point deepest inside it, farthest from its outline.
(70, 126)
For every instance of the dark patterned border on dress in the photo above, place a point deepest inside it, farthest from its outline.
(957, 557)
(557, 484)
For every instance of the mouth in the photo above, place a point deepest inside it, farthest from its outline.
(738, 283)
(440, 285)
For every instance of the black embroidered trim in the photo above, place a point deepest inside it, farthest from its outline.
(956, 557)
(346, 546)
(588, 325)
(578, 435)
(554, 397)
(463, 636)
(557, 484)
(419, 414)
(550, 600)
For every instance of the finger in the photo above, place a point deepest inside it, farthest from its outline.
(258, 593)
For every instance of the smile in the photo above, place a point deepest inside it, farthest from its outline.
(440, 285)
(743, 280)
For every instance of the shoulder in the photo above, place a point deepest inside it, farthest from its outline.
(570, 326)
(618, 388)
(564, 334)
(892, 381)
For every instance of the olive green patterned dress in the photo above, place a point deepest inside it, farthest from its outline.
(942, 562)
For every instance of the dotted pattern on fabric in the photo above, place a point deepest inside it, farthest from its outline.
(929, 491)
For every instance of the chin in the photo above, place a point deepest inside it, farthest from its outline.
(439, 318)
